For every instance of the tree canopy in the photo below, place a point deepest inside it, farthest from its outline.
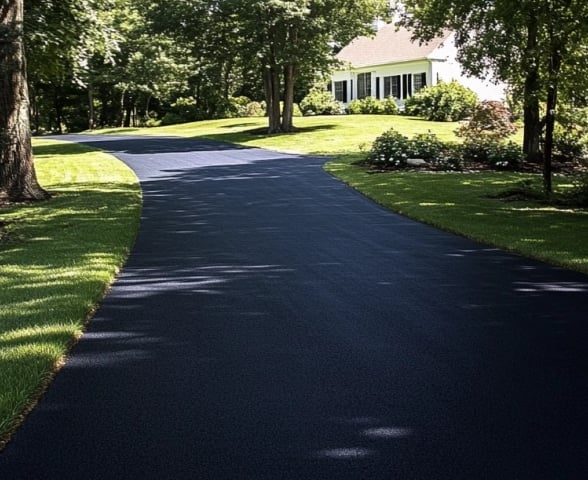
(539, 47)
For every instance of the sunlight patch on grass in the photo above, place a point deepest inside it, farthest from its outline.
(318, 135)
(55, 264)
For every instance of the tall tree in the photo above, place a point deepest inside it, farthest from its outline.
(18, 180)
(289, 38)
(528, 43)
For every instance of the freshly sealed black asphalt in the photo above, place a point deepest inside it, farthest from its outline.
(271, 323)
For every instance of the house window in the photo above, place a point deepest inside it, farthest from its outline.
(341, 91)
(420, 81)
(406, 85)
(392, 86)
(364, 85)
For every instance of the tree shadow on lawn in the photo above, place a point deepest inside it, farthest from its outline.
(61, 149)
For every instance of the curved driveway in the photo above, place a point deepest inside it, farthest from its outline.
(271, 323)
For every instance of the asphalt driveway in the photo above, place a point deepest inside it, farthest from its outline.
(271, 323)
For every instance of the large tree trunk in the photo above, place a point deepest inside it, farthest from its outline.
(18, 180)
(531, 114)
(554, 69)
(288, 113)
(272, 95)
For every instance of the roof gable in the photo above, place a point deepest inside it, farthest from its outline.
(391, 44)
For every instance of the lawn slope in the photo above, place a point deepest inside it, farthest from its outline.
(57, 258)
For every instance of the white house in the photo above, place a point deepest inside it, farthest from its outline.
(391, 64)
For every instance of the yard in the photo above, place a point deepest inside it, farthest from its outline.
(58, 257)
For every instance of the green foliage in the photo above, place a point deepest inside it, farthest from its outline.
(390, 106)
(571, 133)
(354, 107)
(393, 150)
(243, 107)
(320, 102)
(182, 110)
(390, 150)
(491, 120)
(505, 156)
(538, 47)
(426, 146)
(578, 196)
(444, 102)
(373, 106)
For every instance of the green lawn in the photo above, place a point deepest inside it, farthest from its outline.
(452, 201)
(57, 259)
(328, 135)
(462, 203)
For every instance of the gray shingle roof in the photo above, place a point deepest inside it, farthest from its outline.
(391, 44)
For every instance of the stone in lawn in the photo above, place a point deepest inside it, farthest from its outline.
(416, 162)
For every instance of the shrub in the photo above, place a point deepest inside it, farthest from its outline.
(477, 149)
(354, 107)
(570, 138)
(579, 194)
(320, 102)
(444, 102)
(426, 146)
(370, 106)
(390, 106)
(183, 110)
(450, 157)
(238, 106)
(391, 149)
(153, 122)
(254, 109)
(491, 120)
(505, 156)
(366, 106)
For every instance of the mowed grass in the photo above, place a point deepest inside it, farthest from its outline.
(465, 203)
(460, 203)
(321, 135)
(57, 259)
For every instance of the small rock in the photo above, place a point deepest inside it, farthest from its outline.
(416, 162)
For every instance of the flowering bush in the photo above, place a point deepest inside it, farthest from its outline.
(391, 149)
(426, 146)
(389, 106)
(505, 156)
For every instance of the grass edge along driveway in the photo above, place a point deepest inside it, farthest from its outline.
(57, 259)
(463, 203)
(455, 202)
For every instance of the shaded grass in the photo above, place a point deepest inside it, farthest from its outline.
(56, 261)
(462, 203)
(320, 135)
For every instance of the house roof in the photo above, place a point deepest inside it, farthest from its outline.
(391, 44)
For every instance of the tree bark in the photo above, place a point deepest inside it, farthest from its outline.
(18, 180)
(91, 113)
(554, 69)
(531, 116)
(272, 86)
(288, 113)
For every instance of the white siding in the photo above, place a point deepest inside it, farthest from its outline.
(441, 65)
